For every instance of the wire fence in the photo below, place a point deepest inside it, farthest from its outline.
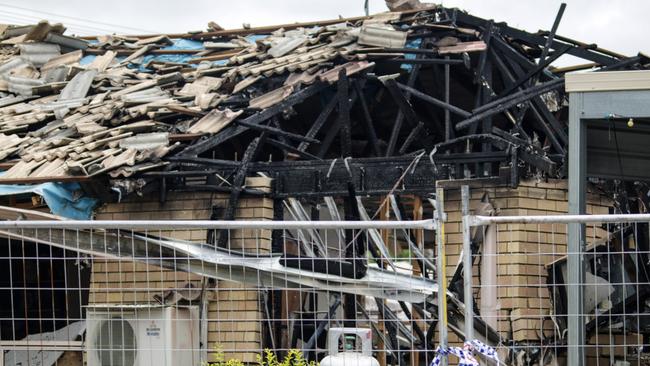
(553, 298)
(202, 292)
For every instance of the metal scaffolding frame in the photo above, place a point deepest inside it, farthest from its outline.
(576, 238)
(594, 99)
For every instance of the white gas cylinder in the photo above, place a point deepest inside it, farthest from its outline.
(349, 347)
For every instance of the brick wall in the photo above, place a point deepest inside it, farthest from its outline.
(233, 311)
(523, 295)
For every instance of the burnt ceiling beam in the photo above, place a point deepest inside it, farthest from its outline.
(276, 131)
(367, 119)
(399, 119)
(434, 101)
(551, 35)
(319, 122)
(333, 131)
(415, 132)
(529, 153)
(407, 111)
(426, 61)
(510, 53)
(343, 98)
(370, 176)
(483, 57)
(622, 64)
(533, 73)
(290, 149)
(257, 118)
(202, 161)
(584, 53)
(501, 105)
(548, 123)
(238, 185)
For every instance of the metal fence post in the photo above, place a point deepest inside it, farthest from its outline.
(441, 265)
(467, 266)
(576, 234)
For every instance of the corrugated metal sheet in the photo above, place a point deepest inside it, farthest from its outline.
(351, 68)
(65, 59)
(39, 53)
(79, 85)
(67, 42)
(23, 86)
(214, 121)
(272, 97)
(286, 45)
(14, 63)
(145, 141)
(373, 35)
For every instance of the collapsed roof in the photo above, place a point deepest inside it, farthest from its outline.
(433, 91)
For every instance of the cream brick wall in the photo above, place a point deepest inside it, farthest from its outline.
(524, 250)
(234, 312)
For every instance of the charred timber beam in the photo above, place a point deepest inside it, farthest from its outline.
(460, 142)
(531, 74)
(509, 78)
(276, 131)
(510, 101)
(434, 101)
(333, 131)
(318, 123)
(257, 118)
(511, 54)
(622, 64)
(203, 161)
(371, 176)
(406, 111)
(367, 119)
(528, 153)
(487, 38)
(409, 51)
(415, 132)
(343, 98)
(539, 40)
(219, 189)
(397, 125)
(238, 184)
(426, 61)
(548, 123)
(290, 149)
(551, 35)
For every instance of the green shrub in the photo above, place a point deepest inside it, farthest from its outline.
(293, 358)
(220, 359)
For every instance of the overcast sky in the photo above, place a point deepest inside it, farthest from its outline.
(619, 25)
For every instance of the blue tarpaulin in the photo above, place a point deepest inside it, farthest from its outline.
(63, 199)
(412, 43)
(179, 44)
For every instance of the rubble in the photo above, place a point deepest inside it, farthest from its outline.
(68, 103)
(389, 104)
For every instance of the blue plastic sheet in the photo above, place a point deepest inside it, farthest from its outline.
(90, 58)
(413, 43)
(63, 199)
(87, 59)
(179, 44)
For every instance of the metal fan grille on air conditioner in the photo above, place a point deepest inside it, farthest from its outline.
(116, 343)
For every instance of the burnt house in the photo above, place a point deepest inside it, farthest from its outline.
(357, 119)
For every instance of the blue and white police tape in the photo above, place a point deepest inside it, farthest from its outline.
(466, 353)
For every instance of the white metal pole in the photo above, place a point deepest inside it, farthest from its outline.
(441, 272)
(467, 267)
